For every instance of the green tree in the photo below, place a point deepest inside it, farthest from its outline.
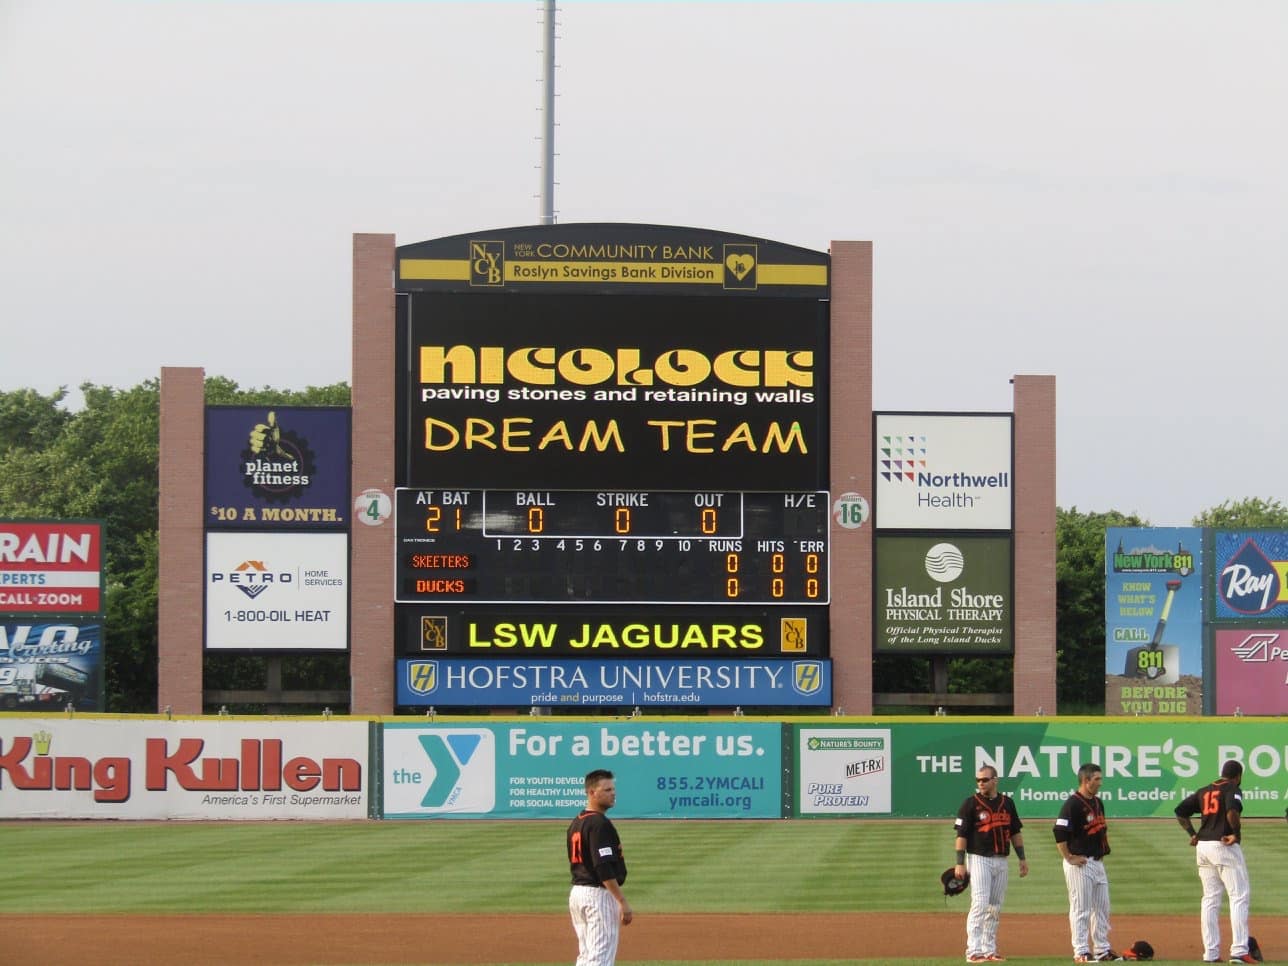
(1080, 603)
(1249, 512)
(100, 462)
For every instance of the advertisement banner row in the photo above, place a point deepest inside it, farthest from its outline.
(678, 768)
(1195, 621)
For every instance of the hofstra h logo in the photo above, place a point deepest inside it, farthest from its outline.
(422, 676)
(807, 676)
(1250, 582)
(592, 366)
(906, 459)
(487, 263)
(252, 577)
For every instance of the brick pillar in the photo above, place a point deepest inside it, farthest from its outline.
(371, 552)
(1035, 544)
(851, 452)
(181, 540)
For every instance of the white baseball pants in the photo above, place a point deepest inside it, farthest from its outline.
(1088, 887)
(988, 874)
(597, 920)
(1222, 868)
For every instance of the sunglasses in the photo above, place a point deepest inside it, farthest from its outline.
(980, 781)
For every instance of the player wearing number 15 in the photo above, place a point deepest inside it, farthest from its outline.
(1220, 859)
(596, 903)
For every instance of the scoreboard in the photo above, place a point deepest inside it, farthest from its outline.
(612, 546)
(612, 443)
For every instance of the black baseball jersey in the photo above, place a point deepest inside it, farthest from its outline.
(1081, 823)
(594, 850)
(1213, 802)
(988, 824)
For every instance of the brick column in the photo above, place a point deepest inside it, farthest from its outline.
(851, 453)
(1035, 544)
(371, 551)
(181, 540)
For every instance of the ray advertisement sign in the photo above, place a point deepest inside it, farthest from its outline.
(1153, 620)
(1250, 568)
(277, 591)
(943, 471)
(943, 594)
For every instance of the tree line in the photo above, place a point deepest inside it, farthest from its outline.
(100, 462)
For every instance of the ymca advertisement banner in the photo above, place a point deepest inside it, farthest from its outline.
(48, 666)
(51, 567)
(675, 769)
(1153, 621)
(105, 768)
(622, 683)
(277, 467)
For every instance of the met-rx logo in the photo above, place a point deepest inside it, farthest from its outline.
(807, 676)
(1249, 582)
(422, 676)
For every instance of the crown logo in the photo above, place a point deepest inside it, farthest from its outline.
(42, 740)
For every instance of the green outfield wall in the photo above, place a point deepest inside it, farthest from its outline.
(248, 768)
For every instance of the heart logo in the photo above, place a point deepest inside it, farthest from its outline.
(740, 265)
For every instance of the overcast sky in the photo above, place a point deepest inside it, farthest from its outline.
(1096, 190)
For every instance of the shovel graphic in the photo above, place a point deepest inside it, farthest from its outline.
(1147, 662)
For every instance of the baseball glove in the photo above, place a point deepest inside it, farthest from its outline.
(1139, 950)
(954, 886)
(1254, 949)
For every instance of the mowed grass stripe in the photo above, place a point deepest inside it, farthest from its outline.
(468, 866)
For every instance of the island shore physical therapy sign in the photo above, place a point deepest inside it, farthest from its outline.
(654, 401)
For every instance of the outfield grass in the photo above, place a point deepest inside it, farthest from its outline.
(520, 867)
(682, 866)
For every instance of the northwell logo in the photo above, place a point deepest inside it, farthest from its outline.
(906, 459)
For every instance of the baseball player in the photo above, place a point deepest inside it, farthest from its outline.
(1220, 859)
(596, 903)
(1081, 835)
(987, 826)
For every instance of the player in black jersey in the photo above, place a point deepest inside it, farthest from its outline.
(596, 903)
(1220, 860)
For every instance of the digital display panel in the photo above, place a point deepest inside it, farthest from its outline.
(605, 547)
